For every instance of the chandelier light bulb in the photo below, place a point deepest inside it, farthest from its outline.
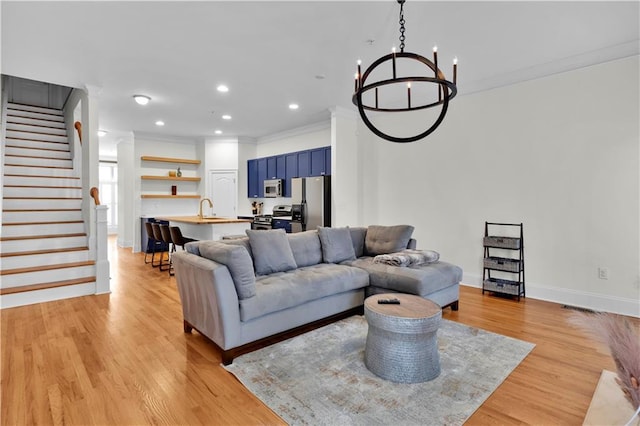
(222, 88)
(455, 61)
(435, 49)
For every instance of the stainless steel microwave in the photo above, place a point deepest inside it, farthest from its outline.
(272, 188)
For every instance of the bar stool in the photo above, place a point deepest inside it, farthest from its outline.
(166, 237)
(178, 238)
(152, 244)
(157, 234)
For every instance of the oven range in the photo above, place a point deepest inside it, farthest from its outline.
(281, 218)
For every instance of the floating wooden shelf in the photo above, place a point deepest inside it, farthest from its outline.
(188, 179)
(169, 160)
(168, 196)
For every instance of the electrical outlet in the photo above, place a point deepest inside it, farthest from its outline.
(603, 273)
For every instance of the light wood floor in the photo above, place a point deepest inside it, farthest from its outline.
(124, 359)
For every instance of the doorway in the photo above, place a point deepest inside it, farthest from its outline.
(223, 192)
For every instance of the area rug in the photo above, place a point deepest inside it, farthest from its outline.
(319, 378)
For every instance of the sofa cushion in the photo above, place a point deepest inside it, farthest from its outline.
(193, 247)
(284, 290)
(387, 239)
(357, 238)
(271, 251)
(237, 260)
(420, 280)
(306, 248)
(337, 245)
(244, 242)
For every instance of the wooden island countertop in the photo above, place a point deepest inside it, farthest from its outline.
(197, 220)
(209, 228)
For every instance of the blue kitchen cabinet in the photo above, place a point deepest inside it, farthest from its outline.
(271, 167)
(281, 224)
(281, 168)
(319, 164)
(253, 185)
(291, 171)
(327, 160)
(262, 175)
(304, 163)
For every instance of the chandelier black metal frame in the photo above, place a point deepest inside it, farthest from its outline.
(447, 90)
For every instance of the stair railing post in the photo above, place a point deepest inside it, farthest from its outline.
(102, 258)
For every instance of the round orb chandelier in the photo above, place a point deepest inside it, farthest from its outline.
(446, 89)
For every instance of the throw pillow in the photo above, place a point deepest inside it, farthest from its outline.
(357, 236)
(237, 260)
(271, 251)
(387, 239)
(306, 248)
(337, 245)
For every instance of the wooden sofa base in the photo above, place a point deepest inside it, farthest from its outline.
(230, 354)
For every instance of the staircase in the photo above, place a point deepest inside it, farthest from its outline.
(43, 243)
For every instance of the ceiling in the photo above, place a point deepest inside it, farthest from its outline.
(271, 54)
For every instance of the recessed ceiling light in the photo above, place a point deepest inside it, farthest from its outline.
(226, 117)
(294, 106)
(218, 132)
(141, 99)
(159, 123)
(222, 88)
(102, 132)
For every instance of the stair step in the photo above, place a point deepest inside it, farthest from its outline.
(9, 216)
(38, 181)
(38, 252)
(43, 286)
(28, 143)
(15, 160)
(40, 171)
(32, 269)
(37, 152)
(35, 136)
(17, 119)
(29, 276)
(36, 237)
(32, 108)
(40, 229)
(41, 203)
(43, 268)
(39, 129)
(47, 292)
(35, 192)
(14, 244)
(43, 257)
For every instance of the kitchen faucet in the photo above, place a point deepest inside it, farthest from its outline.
(202, 201)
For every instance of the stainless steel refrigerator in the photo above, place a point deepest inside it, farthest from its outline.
(310, 203)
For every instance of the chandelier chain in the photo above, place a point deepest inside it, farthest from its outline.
(401, 22)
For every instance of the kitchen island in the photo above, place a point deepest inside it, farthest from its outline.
(208, 227)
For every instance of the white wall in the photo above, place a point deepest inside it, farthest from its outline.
(126, 176)
(246, 151)
(152, 145)
(560, 154)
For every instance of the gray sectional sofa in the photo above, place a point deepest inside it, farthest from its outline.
(244, 293)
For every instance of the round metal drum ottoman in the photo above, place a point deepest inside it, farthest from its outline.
(402, 344)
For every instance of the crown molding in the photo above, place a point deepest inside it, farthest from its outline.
(315, 127)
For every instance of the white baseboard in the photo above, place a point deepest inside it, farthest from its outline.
(582, 299)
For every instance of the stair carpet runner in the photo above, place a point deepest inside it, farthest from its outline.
(43, 244)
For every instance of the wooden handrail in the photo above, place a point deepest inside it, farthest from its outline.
(78, 126)
(95, 194)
